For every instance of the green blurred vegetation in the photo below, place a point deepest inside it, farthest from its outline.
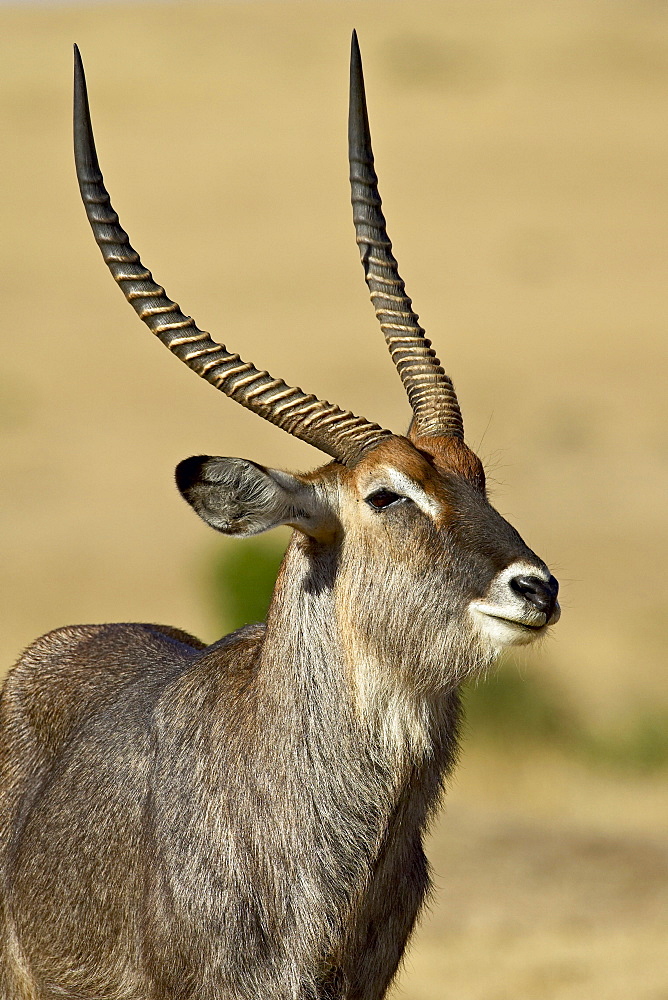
(243, 577)
(509, 706)
(512, 705)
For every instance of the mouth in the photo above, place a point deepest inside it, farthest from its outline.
(518, 623)
(535, 622)
(508, 629)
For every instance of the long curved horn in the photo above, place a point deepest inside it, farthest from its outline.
(430, 390)
(337, 432)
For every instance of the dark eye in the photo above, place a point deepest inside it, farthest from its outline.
(383, 498)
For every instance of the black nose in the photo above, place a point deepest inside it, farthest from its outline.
(541, 593)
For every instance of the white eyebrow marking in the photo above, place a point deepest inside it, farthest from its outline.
(407, 487)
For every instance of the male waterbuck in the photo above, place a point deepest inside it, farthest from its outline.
(244, 821)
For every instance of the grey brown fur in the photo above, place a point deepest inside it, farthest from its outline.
(245, 820)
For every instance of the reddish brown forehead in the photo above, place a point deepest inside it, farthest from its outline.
(419, 459)
(450, 454)
(423, 460)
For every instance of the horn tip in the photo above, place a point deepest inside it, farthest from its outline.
(355, 54)
(79, 74)
(79, 84)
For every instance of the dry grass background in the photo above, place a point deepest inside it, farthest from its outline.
(523, 156)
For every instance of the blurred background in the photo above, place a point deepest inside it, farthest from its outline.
(523, 153)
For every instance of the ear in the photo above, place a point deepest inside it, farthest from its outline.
(240, 498)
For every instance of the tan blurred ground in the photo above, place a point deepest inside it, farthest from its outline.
(523, 155)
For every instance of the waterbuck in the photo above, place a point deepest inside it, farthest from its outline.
(244, 821)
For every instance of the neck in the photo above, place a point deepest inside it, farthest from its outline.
(331, 685)
(343, 795)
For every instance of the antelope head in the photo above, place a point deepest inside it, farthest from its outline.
(422, 563)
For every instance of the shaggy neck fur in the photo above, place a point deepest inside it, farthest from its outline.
(357, 757)
(321, 662)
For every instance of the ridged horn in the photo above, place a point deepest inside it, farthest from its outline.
(430, 391)
(337, 432)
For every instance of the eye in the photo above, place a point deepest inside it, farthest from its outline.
(383, 498)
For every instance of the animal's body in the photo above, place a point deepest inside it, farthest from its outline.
(245, 820)
(247, 869)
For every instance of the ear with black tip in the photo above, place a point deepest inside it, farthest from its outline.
(240, 498)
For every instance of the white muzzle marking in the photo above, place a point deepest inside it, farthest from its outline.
(504, 617)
